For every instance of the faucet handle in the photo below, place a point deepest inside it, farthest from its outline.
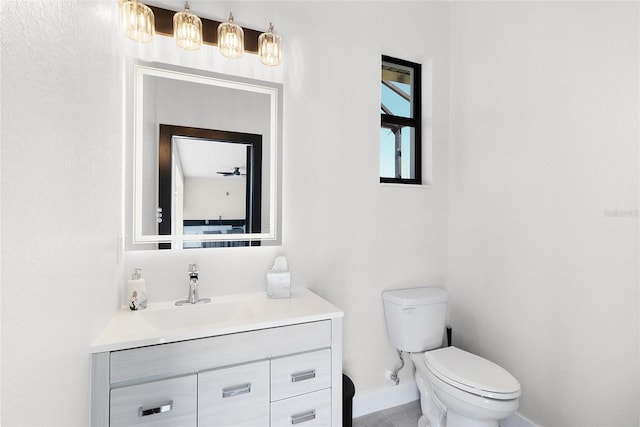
(193, 269)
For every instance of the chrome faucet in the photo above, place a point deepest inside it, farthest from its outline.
(193, 297)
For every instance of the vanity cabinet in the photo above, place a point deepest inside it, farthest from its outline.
(288, 374)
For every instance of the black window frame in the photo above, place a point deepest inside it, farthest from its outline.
(389, 121)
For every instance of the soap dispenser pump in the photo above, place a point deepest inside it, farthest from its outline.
(136, 291)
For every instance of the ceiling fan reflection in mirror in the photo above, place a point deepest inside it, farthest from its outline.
(235, 172)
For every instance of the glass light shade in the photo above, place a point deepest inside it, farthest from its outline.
(230, 39)
(187, 29)
(270, 48)
(138, 22)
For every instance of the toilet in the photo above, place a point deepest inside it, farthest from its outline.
(457, 388)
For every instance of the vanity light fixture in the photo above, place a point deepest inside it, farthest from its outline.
(230, 39)
(187, 29)
(270, 47)
(141, 22)
(137, 19)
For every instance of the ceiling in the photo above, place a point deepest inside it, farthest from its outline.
(204, 158)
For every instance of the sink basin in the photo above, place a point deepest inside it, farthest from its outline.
(190, 316)
(163, 322)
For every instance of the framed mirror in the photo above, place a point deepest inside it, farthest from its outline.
(206, 150)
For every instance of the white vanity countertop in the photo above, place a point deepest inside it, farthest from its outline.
(163, 322)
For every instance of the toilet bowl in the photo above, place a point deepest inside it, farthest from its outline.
(457, 388)
(471, 390)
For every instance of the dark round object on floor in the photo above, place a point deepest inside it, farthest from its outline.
(348, 391)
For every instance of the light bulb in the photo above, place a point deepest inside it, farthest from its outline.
(137, 20)
(270, 48)
(230, 39)
(187, 29)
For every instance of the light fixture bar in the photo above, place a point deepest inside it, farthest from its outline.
(164, 27)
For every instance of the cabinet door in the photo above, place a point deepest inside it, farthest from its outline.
(159, 403)
(307, 410)
(235, 396)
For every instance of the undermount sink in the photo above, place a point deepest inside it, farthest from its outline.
(189, 316)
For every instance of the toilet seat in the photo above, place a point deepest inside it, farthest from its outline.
(472, 373)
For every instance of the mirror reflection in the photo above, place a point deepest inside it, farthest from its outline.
(205, 169)
(209, 183)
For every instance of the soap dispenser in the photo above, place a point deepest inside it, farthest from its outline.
(136, 293)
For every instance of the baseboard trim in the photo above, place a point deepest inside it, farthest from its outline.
(384, 398)
(517, 420)
(407, 391)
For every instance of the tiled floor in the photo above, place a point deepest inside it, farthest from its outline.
(400, 416)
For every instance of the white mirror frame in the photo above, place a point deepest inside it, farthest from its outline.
(273, 90)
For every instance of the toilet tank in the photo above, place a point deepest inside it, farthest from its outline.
(415, 317)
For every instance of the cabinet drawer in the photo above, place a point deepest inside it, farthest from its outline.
(308, 410)
(160, 403)
(234, 396)
(185, 357)
(302, 373)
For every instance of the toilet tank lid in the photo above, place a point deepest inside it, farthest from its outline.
(416, 296)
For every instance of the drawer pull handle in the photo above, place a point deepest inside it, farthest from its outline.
(302, 376)
(304, 416)
(236, 390)
(143, 412)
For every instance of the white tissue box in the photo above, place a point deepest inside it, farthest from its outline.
(279, 284)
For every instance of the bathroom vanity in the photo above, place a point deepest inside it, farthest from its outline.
(241, 360)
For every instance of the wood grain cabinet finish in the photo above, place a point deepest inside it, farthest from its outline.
(237, 396)
(268, 377)
(300, 373)
(307, 410)
(165, 403)
(184, 357)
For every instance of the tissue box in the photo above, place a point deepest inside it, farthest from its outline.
(279, 284)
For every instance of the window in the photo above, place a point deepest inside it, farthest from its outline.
(400, 122)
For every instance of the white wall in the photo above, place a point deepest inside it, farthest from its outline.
(63, 126)
(61, 202)
(544, 150)
(346, 237)
(210, 198)
(544, 125)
